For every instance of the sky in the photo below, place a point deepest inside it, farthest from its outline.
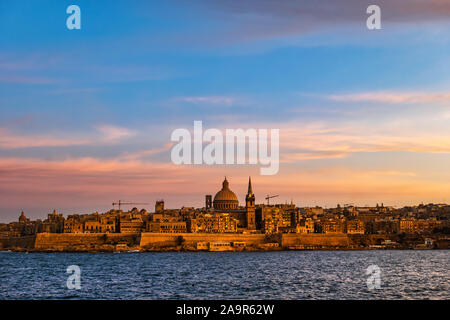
(86, 115)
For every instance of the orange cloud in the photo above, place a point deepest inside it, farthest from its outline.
(320, 140)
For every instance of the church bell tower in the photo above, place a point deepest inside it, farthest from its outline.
(250, 207)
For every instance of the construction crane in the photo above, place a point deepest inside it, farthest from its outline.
(120, 203)
(349, 205)
(270, 197)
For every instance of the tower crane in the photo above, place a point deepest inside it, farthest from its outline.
(270, 197)
(349, 205)
(120, 203)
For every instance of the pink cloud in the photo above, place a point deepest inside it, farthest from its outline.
(105, 134)
(114, 133)
(393, 97)
(322, 140)
(12, 141)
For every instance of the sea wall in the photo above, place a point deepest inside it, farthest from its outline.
(315, 240)
(26, 242)
(174, 239)
(284, 240)
(369, 239)
(85, 241)
(108, 242)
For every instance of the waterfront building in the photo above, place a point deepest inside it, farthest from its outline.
(92, 226)
(305, 225)
(54, 223)
(272, 219)
(166, 226)
(411, 225)
(330, 225)
(354, 226)
(407, 225)
(131, 224)
(382, 226)
(213, 223)
(73, 225)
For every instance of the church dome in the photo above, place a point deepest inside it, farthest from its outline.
(225, 198)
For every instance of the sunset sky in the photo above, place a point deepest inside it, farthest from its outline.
(86, 115)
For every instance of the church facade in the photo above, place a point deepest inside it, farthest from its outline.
(226, 201)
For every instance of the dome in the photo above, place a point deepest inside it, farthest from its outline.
(225, 198)
(22, 217)
(225, 195)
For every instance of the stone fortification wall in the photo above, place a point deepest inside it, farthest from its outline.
(174, 239)
(65, 241)
(315, 240)
(27, 242)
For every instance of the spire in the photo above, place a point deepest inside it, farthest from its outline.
(225, 184)
(250, 191)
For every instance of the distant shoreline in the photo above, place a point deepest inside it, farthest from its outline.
(174, 249)
(190, 251)
(198, 242)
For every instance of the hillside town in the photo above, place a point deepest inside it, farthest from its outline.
(223, 215)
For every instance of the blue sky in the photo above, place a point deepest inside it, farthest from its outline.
(346, 99)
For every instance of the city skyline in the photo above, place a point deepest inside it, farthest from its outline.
(128, 205)
(86, 115)
(223, 213)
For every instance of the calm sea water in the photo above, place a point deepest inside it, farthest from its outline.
(222, 275)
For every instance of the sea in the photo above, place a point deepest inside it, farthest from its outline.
(310, 275)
